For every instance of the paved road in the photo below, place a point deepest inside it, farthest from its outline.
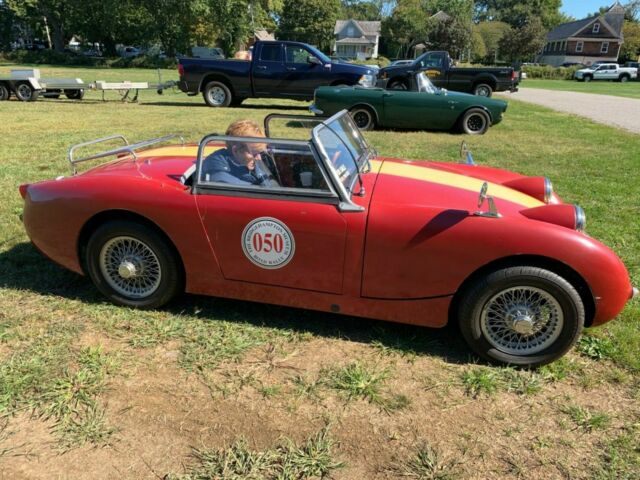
(615, 111)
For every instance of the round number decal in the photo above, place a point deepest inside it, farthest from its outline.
(268, 243)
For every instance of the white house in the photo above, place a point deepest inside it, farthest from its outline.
(356, 39)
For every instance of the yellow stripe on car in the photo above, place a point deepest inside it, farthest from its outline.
(457, 181)
(178, 151)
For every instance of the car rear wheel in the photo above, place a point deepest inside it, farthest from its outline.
(525, 316)
(132, 265)
(398, 85)
(588, 78)
(26, 93)
(475, 122)
(363, 117)
(483, 90)
(624, 78)
(5, 93)
(217, 94)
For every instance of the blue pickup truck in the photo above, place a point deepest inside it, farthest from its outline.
(277, 69)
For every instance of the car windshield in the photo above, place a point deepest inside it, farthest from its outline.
(346, 150)
(319, 54)
(424, 84)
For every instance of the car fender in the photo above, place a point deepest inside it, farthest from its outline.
(487, 111)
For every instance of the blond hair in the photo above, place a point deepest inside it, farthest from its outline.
(243, 128)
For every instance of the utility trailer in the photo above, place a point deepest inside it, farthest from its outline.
(27, 86)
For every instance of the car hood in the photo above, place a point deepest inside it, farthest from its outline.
(419, 184)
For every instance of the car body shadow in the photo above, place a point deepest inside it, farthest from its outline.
(239, 107)
(24, 268)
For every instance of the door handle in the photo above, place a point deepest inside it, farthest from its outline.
(261, 67)
(291, 69)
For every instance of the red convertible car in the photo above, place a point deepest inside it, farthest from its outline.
(335, 228)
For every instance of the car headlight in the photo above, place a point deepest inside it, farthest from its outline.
(366, 80)
(536, 187)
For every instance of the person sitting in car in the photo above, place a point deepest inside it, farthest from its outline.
(241, 163)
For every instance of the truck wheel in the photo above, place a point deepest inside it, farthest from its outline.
(5, 93)
(75, 94)
(363, 117)
(483, 90)
(588, 78)
(624, 78)
(475, 121)
(524, 316)
(398, 85)
(26, 93)
(217, 94)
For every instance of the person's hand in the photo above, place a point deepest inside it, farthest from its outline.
(251, 164)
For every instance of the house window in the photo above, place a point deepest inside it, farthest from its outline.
(350, 32)
(579, 47)
(605, 47)
(596, 28)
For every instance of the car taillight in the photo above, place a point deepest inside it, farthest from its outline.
(23, 190)
(180, 70)
(514, 75)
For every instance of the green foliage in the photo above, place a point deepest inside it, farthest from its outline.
(480, 381)
(524, 42)
(586, 419)
(630, 50)
(359, 381)
(621, 456)
(490, 33)
(310, 21)
(312, 459)
(594, 347)
(549, 72)
(517, 13)
(427, 463)
(452, 35)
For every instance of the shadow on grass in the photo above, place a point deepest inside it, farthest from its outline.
(24, 268)
(304, 108)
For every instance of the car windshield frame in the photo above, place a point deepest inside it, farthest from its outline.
(319, 54)
(422, 80)
(342, 126)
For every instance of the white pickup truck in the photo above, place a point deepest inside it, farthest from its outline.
(606, 71)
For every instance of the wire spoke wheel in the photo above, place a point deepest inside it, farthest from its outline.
(522, 320)
(130, 267)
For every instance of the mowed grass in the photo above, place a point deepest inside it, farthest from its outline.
(67, 356)
(629, 89)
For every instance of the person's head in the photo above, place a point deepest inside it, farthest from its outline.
(245, 153)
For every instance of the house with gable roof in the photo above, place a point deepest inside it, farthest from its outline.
(356, 39)
(593, 39)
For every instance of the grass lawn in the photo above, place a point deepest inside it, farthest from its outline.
(629, 89)
(214, 388)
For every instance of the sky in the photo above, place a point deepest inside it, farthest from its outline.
(581, 8)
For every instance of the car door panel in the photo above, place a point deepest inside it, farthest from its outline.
(417, 110)
(318, 233)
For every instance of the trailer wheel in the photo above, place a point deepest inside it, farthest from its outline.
(75, 94)
(217, 94)
(26, 93)
(4, 92)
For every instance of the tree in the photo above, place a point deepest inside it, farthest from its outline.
(56, 12)
(310, 21)
(491, 33)
(630, 50)
(452, 35)
(522, 44)
(359, 10)
(517, 13)
(406, 26)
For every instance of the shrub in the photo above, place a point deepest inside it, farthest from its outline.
(550, 73)
(51, 57)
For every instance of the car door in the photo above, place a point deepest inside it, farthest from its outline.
(301, 77)
(268, 69)
(291, 235)
(419, 110)
(601, 72)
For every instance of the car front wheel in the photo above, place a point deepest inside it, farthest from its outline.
(133, 265)
(217, 94)
(587, 78)
(525, 316)
(363, 117)
(475, 122)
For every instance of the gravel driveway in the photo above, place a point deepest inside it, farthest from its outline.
(615, 111)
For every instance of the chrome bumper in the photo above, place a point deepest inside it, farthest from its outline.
(315, 110)
(635, 292)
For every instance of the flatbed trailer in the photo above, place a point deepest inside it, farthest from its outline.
(27, 86)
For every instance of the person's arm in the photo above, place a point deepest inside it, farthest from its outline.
(225, 177)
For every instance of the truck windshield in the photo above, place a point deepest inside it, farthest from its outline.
(343, 145)
(319, 54)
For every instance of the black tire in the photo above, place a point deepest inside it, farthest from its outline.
(363, 117)
(588, 78)
(624, 78)
(157, 255)
(475, 121)
(495, 337)
(26, 93)
(75, 94)
(483, 90)
(217, 94)
(5, 93)
(398, 85)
